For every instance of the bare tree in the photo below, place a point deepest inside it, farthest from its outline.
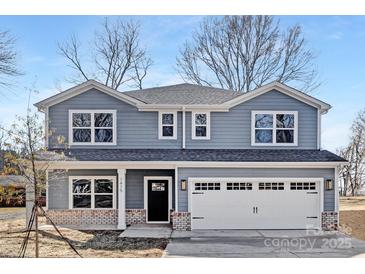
(353, 175)
(242, 53)
(117, 57)
(8, 58)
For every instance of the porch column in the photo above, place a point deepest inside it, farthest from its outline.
(121, 198)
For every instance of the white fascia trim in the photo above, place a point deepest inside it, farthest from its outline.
(193, 125)
(324, 107)
(160, 125)
(79, 89)
(274, 128)
(183, 164)
(166, 107)
(92, 127)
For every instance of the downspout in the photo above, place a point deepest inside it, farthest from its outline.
(183, 128)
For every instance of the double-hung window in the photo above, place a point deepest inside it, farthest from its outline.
(97, 127)
(200, 125)
(167, 125)
(95, 192)
(275, 128)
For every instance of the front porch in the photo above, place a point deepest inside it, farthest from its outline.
(140, 197)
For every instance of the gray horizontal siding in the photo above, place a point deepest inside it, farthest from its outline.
(137, 129)
(58, 185)
(233, 129)
(326, 173)
(135, 186)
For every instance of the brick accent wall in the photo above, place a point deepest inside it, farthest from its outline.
(329, 220)
(135, 216)
(181, 221)
(84, 217)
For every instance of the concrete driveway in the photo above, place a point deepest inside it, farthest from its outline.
(263, 244)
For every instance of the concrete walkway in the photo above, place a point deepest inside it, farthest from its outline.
(263, 244)
(147, 231)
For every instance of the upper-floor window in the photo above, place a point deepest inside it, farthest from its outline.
(97, 127)
(276, 128)
(200, 123)
(167, 125)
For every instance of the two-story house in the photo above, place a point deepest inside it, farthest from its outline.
(193, 156)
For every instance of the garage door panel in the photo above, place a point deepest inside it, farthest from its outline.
(255, 205)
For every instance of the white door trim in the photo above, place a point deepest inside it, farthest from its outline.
(145, 191)
(192, 180)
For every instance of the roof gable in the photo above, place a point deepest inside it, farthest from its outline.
(84, 87)
(303, 97)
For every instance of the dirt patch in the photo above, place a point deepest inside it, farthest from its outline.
(353, 223)
(352, 203)
(90, 244)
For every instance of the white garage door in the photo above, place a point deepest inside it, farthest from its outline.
(237, 203)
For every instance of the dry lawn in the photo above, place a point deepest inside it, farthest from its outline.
(352, 216)
(91, 244)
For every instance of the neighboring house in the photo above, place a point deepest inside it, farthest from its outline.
(196, 157)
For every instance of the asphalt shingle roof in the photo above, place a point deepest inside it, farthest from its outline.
(183, 94)
(210, 155)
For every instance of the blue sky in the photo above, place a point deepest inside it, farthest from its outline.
(339, 42)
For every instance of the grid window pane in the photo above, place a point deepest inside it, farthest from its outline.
(200, 131)
(285, 120)
(201, 119)
(285, 136)
(167, 118)
(263, 120)
(103, 201)
(82, 201)
(103, 135)
(103, 120)
(263, 136)
(81, 119)
(81, 186)
(168, 131)
(103, 186)
(81, 135)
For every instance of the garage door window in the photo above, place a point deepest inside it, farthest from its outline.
(303, 186)
(271, 186)
(207, 186)
(239, 186)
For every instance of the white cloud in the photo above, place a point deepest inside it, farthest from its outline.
(336, 35)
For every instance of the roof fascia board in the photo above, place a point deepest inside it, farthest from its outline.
(157, 107)
(281, 88)
(72, 92)
(170, 164)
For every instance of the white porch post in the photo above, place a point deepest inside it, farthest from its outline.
(121, 198)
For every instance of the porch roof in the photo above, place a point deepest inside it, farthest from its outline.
(202, 155)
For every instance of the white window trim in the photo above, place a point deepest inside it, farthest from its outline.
(160, 136)
(92, 112)
(253, 140)
(193, 125)
(92, 193)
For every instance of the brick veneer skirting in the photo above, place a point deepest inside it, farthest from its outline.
(135, 216)
(181, 221)
(329, 220)
(84, 217)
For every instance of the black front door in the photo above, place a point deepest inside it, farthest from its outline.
(158, 201)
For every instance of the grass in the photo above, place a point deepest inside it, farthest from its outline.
(90, 244)
(352, 216)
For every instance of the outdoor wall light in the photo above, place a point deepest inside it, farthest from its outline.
(183, 184)
(328, 184)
